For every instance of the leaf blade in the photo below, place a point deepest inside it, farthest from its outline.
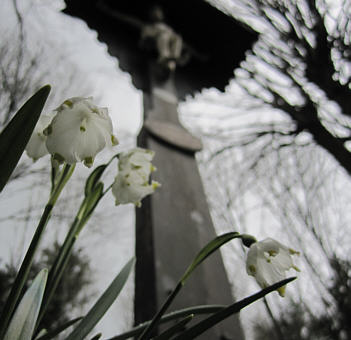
(209, 322)
(167, 334)
(58, 330)
(15, 136)
(196, 310)
(205, 252)
(101, 306)
(23, 322)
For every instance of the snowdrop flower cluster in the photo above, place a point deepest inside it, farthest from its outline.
(80, 130)
(131, 184)
(268, 260)
(77, 132)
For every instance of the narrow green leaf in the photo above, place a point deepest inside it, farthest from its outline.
(40, 334)
(103, 304)
(196, 310)
(167, 334)
(94, 178)
(22, 324)
(52, 334)
(97, 336)
(205, 252)
(15, 136)
(92, 199)
(208, 250)
(212, 320)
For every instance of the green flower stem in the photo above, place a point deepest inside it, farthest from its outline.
(22, 275)
(55, 168)
(85, 210)
(63, 178)
(58, 267)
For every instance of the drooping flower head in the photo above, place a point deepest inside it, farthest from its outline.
(79, 131)
(268, 260)
(36, 147)
(131, 184)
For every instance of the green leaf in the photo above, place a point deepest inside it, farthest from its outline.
(94, 178)
(196, 310)
(102, 305)
(97, 336)
(205, 252)
(92, 199)
(23, 322)
(167, 334)
(208, 250)
(52, 334)
(15, 136)
(211, 321)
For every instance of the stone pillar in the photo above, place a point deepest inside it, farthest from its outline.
(174, 223)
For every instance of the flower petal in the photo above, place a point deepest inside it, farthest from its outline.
(36, 147)
(267, 261)
(79, 130)
(131, 184)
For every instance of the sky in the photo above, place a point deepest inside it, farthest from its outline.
(72, 41)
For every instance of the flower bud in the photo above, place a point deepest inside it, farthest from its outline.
(247, 240)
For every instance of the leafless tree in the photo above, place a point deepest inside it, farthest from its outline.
(24, 69)
(277, 159)
(300, 66)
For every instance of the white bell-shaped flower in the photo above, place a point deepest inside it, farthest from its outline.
(79, 131)
(36, 147)
(131, 184)
(268, 260)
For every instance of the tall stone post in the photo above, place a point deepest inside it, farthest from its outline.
(175, 221)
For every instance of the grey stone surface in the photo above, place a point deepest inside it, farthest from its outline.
(179, 226)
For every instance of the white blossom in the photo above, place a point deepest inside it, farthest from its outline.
(79, 131)
(131, 184)
(36, 147)
(268, 260)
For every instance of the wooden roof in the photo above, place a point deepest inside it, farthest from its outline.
(219, 40)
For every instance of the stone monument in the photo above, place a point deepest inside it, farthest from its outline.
(171, 49)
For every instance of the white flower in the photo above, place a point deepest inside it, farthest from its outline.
(36, 147)
(268, 260)
(79, 131)
(131, 184)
